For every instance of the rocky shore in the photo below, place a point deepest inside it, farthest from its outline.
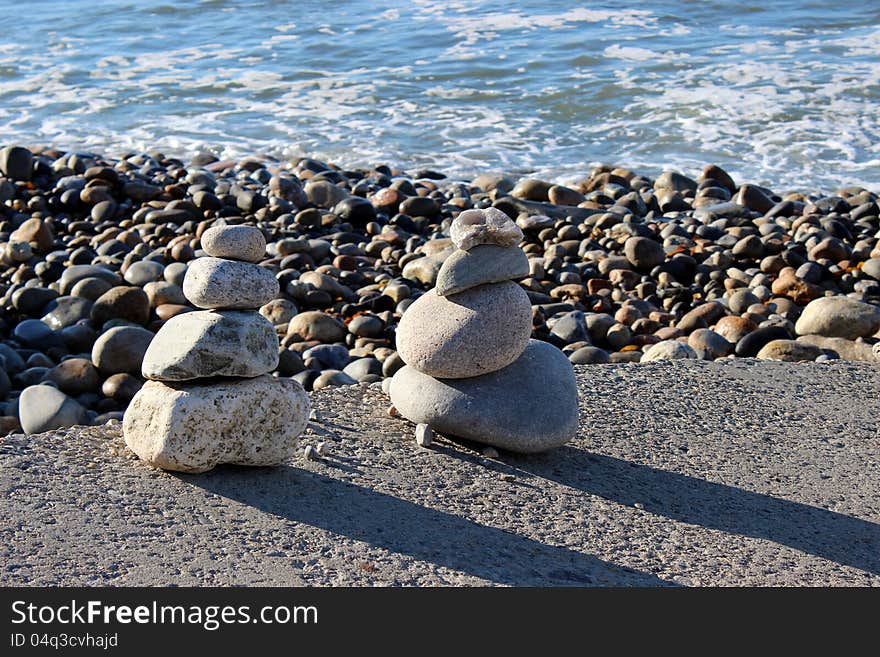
(621, 268)
(686, 472)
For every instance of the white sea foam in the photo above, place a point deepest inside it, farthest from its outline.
(785, 98)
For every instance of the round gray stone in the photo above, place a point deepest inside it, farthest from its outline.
(236, 242)
(485, 263)
(468, 334)
(529, 406)
(668, 350)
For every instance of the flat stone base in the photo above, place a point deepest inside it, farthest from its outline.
(194, 427)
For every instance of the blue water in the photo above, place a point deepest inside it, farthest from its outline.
(781, 93)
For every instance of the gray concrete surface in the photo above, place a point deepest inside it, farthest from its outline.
(683, 473)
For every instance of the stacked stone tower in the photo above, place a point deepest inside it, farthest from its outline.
(472, 370)
(209, 397)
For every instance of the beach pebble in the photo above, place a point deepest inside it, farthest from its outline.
(331, 379)
(424, 435)
(667, 350)
(789, 351)
(143, 272)
(322, 449)
(121, 388)
(316, 325)
(528, 406)
(121, 302)
(213, 283)
(16, 163)
(489, 226)
(75, 273)
(33, 332)
(424, 270)
(643, 253)
(279, 311)
(121, 349)
(259, 425)
(44, 407)
(589, 356)
(364, 370)
(480, 330)
(75, 376)
(67, 311)
(708, 344)
(845, 349)
(751, 344)
(212, 343)
(839, 317)
(245, 243)
(485, 263)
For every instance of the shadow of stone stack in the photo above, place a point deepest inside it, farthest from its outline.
(472, 370)
(209, 397)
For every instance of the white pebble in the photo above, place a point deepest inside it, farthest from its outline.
(310, 453)
(424, 435)
(386, 386)
(322, 448)
(314, 416)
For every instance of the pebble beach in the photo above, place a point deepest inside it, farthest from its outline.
(622, 268)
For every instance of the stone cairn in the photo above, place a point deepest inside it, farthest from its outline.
(209, 398)
(472, 370)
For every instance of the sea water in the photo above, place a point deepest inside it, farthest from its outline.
(782, 93)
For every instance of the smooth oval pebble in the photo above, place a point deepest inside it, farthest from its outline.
(528, 406)
(236, 242)
(213, 283)
(468, 334)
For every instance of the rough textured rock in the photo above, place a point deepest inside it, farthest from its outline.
(215, 283)
(212, 343)
(42, 407)
(790, 351)
(528, 406)
(489, 226)
(668, 350)
(236, 242)
(468, 334)
(839, 317)
(486, 263)
(195, 427)
(643, 253)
